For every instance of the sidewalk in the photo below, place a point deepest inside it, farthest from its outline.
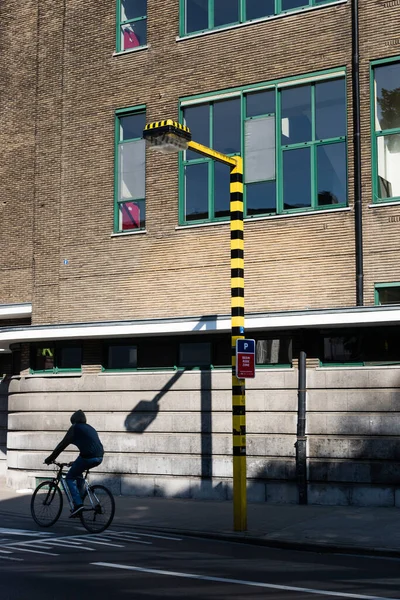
(368, 530)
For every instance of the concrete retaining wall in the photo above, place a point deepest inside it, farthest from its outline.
(3, 426)
(170, 433)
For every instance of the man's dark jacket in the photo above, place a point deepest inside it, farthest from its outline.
(83, 436)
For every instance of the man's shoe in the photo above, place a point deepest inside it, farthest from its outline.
(78, 509)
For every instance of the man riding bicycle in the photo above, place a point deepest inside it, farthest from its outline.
(91, 452)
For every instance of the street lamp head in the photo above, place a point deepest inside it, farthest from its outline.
(167, 136)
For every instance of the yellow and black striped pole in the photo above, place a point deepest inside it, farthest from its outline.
(237, 325)
(170, 136)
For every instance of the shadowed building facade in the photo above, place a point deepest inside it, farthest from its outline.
(115, 271)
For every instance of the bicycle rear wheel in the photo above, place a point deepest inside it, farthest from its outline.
(98, 509)
(46, 503)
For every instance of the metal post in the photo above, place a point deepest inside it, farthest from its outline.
(237, 324)
(301, 443)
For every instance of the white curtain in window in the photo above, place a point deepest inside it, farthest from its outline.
(131, 171)
(259, 153)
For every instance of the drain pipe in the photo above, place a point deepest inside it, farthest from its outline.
(357, 154)
(301, 443)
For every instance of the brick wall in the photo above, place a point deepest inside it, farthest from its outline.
(58, 177)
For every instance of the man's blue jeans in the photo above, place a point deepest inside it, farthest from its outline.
(76, 473)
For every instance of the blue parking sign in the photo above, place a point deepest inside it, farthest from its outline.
(245, 346)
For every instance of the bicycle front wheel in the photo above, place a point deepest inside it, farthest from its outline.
(98, 509)
(46, 503)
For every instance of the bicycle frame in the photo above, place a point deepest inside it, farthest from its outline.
(61, 479)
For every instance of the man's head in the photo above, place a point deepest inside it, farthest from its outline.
(78, 417)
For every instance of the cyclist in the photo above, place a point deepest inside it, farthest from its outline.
(91, 452)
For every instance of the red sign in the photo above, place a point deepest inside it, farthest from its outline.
(245, 359)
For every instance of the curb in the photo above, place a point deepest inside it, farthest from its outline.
(239, 538)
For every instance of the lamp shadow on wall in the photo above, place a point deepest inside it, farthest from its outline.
(146, 411)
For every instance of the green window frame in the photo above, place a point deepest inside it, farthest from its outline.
(56, 357)
(265, 195)
(387, 293)
(385, 129)
(130, 170)
(235, 12)
(131, 24)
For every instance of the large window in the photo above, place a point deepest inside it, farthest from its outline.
(130, 208)
(292, 136)
(56, 357)
(386, 128)
(363, 347)
(203, 15)
(131, 24)
(191, 352)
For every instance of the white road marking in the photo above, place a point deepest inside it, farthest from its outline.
(161, 537)
(106, 544)
(271, 586)
(127, 536)
(66, 545)
(17, 545)
(66, 540)
(19, 549)
(5, 551)
(132, 540)
(23, 532)
(10, 558)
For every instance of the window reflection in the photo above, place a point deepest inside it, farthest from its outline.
(331, 174)
(255, 9)
(195, 354)
(260, 103)
(131, 9)
(296, 179)
(330, 109)
(122, 357)
(260, 198)
(227, 126)
(296, 115)
(387, 90)
(196, 15)
(389, 295)
(132, 126)
(225, 12)
(288, 4)
(197, 118)
(196, 192)
(221, 190)
(274, 351)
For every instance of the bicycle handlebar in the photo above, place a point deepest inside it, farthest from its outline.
(61, 465)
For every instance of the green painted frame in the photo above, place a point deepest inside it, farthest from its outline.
(379, 286)
(242, 14)
(119, 22)
(374, 134)
(122, 112)
(55, 369)
(239, 92)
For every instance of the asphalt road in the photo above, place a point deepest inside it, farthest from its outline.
(66, 563)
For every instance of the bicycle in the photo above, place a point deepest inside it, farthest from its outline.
(47, 502)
